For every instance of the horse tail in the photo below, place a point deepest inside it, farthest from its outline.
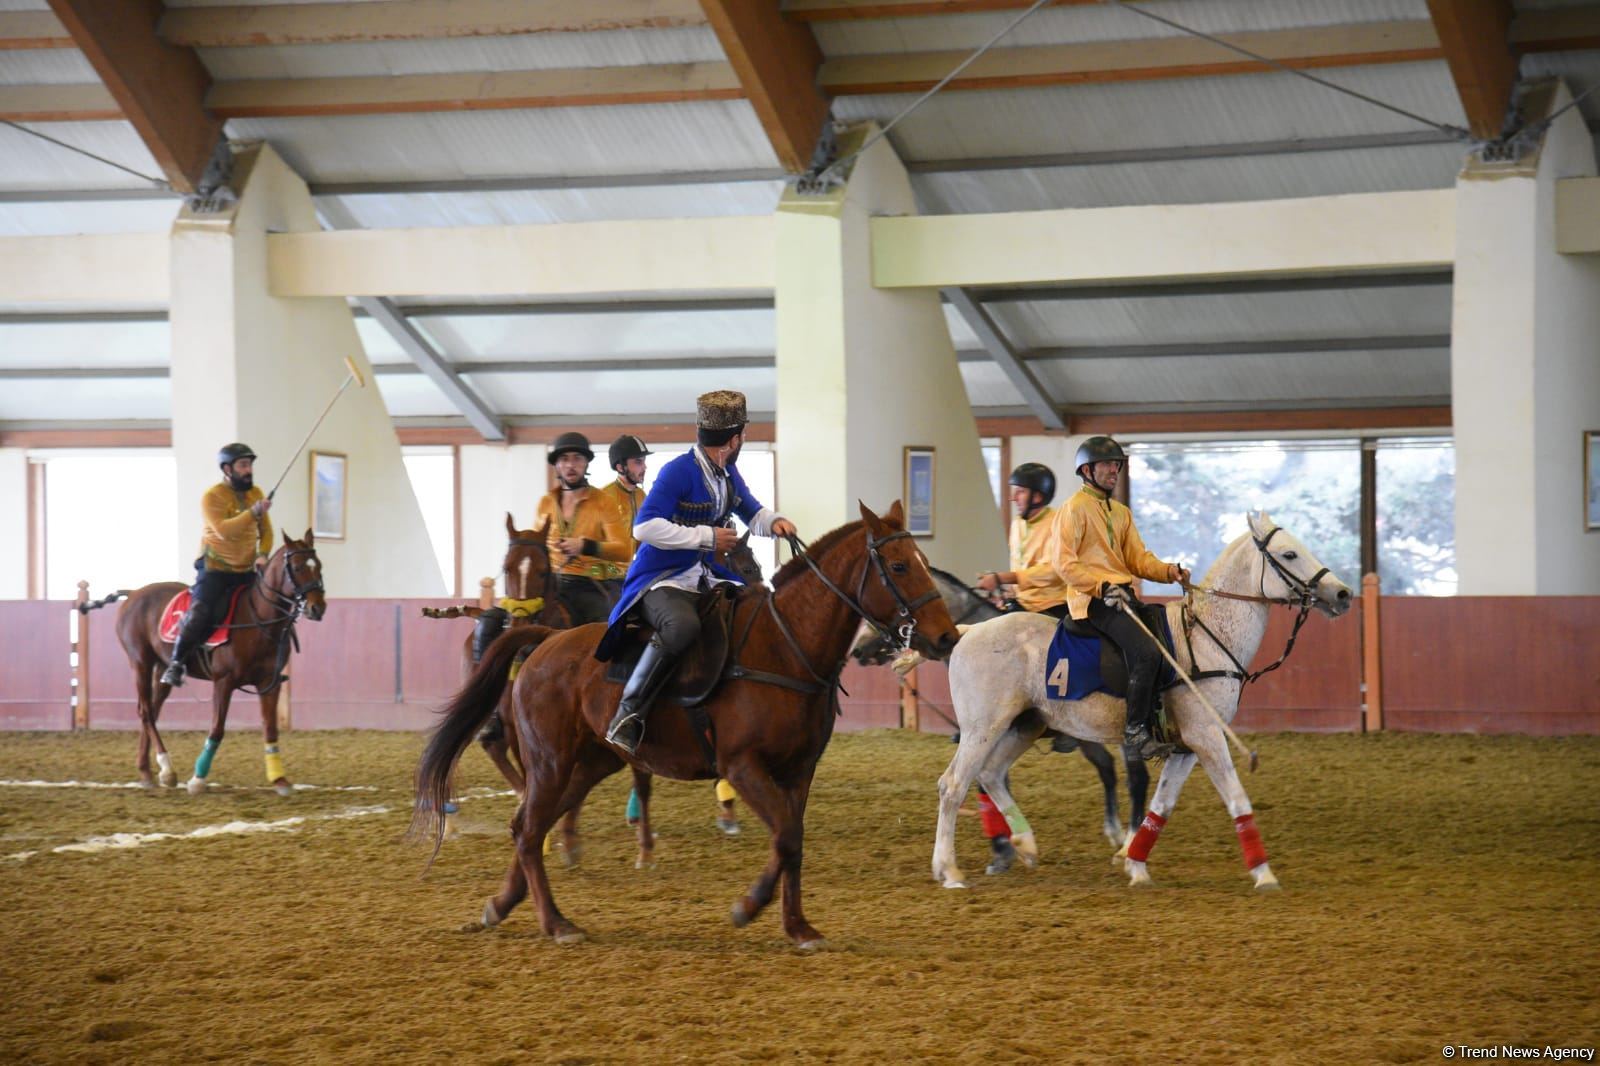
(95, 605)
(459, 722)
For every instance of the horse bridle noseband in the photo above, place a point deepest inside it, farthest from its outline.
(906, 623)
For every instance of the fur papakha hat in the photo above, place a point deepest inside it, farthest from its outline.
(723, 409)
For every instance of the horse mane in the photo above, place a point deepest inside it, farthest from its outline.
(948, 576)
(820, 547)
(1224, 556)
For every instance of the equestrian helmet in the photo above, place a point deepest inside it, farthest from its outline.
(1035, 477)
(626, 447)
(231, 452)
(1098, 450)
(571, 441)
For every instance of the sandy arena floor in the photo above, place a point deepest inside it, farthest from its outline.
(1439, 890)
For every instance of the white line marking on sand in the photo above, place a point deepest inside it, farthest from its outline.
(210, 788)
(123, 841)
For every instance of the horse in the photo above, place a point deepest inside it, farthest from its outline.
(257, 650)
(968, 606)
(998, 685)
(764, 726)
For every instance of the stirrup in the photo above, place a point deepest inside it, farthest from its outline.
(624, 737)
(173, 675)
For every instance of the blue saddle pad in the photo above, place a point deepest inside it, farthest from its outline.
(1079, 658)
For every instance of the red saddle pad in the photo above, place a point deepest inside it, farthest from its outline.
(172, 616)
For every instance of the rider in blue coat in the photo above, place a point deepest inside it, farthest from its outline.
(681, 528)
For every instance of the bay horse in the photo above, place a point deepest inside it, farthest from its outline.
(968, 606)
(766, 724)
(257, 650)
(998, 685)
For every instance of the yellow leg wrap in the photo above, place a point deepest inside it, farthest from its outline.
(274, 767)
(725, 792)
(547, 844)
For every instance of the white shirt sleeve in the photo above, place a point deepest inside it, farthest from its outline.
(670, 536)
(761, 524)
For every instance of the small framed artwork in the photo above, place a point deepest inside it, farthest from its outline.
(1591, 480)
(328, 495)
(919, 491)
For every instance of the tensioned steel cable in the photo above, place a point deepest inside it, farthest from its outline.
(97, 158)
(919, 101)
(1454, 131)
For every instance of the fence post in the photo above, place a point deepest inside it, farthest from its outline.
(80, 675)
(486, 592)
(909, 717)
(1371, 655)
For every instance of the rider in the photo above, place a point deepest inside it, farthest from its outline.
(235, 539)
(1038, 587)
(591, 541)
(626, 493)
(682, 524)
(1098, 552)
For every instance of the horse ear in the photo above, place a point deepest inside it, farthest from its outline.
(285, 534)
(308, 538)
(896, 515)
(544, 529)
(511, 525)
(873, 522)
(744, 540)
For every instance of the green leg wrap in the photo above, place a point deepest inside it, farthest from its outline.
(202, 764)
(1019, 825)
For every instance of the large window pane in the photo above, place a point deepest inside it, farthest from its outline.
(111, 519)
(1416, 517)
(433, 479)
(1190, 500)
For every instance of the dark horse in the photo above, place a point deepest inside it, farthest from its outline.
(968, 606)
(256, 652)
(766, 724)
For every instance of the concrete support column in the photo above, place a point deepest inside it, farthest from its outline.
(1525, 371)
(864, 373)
(251, 366)
(14, 524)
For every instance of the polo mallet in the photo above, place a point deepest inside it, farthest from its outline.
(361, 382)
(1255, 760)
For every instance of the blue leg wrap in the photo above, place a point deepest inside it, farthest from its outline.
(202, 764)
(633, 805)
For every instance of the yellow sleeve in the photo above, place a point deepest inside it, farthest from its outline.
(1066, 535)
(614, 531)
(1140, 560)
(214, 509)
(1042, 576)
(264, 541)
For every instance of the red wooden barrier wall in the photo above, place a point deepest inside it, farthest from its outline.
(35, 675)
(1492, 664)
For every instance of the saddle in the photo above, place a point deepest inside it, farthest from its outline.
(1113, 668)
(700, 669)
(172, 618)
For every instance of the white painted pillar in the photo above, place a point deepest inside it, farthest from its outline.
(249, 366)
(1525, 374)
(863, 373)
(14, 524)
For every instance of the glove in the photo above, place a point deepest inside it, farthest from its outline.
(1117, 595)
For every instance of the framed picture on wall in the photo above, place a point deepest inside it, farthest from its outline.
(1591, 480)
(918, 494)
(328, 495)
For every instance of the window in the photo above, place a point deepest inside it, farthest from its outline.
(433, 480)
(111, 519)
(1416, 517)
(1190, 499)
(991, 464)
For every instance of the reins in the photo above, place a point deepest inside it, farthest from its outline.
(291, 605)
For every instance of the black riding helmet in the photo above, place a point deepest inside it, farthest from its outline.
(1036, 477)
(571, 441)
(626, 447)
(231, 452)
(1098, 450)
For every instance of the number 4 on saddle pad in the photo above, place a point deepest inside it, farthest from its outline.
(1081, 660)
(172, 618)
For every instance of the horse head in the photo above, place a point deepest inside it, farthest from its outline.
(527, 561)
(301, 576)
(1290, 570)
(905, 598)
(742, 561)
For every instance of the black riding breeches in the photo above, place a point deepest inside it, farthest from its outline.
(208, 603)
(675, 616)
(583, 597)
(1141, 656)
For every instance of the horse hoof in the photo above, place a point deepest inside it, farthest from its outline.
(491, 917)
(169, 779)
(813, 945)
(729, 826)
(743, 914)
(1269, 886)
(571, 935)
(955, 883)
(282, 787)
(1027, 849)
(1264, 879)
(644, 862)
(147, 782)
(196, 785)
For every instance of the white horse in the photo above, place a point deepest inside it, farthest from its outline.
(997, 683)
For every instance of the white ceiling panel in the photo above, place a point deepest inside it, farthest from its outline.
(414, 210)
(85, 400)
(85, 344)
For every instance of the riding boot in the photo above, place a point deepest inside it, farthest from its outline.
(195, 629)
(1137, 741)
(627, 725)
(491, 623)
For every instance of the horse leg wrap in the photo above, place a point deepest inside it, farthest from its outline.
(1145, 838)
(994, 823)
(1255, 852)
(164, 761)
(633, 806)
(202, 763)
(274, 764)
(1019, 825)
(725, 792)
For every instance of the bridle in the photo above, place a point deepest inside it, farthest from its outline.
(905, 622)
(549, 591)
(287, 607)
(1303, 596)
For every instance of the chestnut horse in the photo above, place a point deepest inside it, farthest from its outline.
(258, 648)
(766, 725)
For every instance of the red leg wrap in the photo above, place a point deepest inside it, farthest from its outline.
(1145, 838)
(1255, 852)
(994, 823)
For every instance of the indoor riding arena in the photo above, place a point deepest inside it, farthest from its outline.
(632, 531)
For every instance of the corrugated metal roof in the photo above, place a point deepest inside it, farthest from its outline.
(1082, 24)
(563, 205)
(610, 336)
(86, 400)
(94, 216)
(1580, 70)
(45, 66)
(646, 138)
(1250, 379)
(91, 344)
